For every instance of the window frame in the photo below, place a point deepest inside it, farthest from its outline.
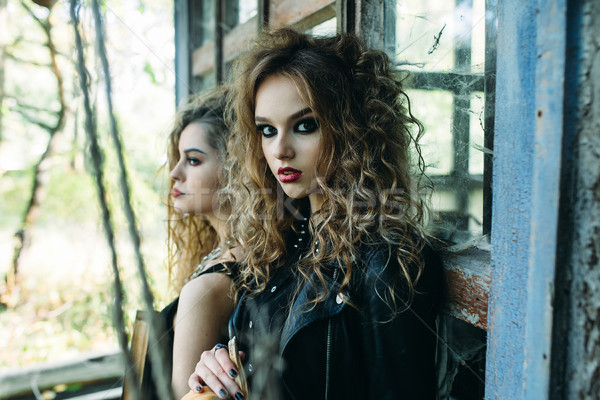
(472, 293)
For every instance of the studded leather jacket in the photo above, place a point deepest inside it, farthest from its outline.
(351, 345)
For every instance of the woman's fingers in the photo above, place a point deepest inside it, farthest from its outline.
(224, 371)
(195, 384)
(216, 371)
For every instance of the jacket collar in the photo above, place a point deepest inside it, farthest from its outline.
(303, 313)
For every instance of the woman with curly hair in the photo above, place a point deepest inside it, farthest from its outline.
(340, 300)
(200, 266)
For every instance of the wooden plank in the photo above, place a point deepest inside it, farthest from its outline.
(139, 349)
(467, 285)
(300, 14)
(239, 39)
(203, 59)
(94, 367)
(109, 394)
(234, 42)
(528, 138)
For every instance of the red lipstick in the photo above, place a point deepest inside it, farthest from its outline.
(288, 174)
(176, 193)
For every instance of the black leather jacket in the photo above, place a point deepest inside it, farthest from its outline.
(361, 351)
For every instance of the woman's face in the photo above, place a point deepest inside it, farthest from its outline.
(291, 137)
(196, 173)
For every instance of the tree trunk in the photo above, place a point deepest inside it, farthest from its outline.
(40, 172)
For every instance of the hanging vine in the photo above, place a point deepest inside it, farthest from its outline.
(157, 357)
(97, 164)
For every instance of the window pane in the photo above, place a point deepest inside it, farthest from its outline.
(442, 45)
(434, 110)
(476, 150)
(248, 9)
(326, 28)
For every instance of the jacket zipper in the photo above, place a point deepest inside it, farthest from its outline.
(328, 355)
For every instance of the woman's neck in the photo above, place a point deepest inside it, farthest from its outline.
(219, 224)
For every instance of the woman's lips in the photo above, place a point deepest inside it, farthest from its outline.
(176, 193)
(288, 174)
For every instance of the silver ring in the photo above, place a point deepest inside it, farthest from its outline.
(219, 346)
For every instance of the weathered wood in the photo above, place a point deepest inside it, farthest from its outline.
(203, 59)
(90, 368)
(139, 350)
(234, 43)
(528, 155)
(346, 14)
(300, 15)
(467, 285)
(238, 39)
(576, 338)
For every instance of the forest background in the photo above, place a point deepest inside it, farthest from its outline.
(55, 276)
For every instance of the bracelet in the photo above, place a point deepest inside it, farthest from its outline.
(219, 346)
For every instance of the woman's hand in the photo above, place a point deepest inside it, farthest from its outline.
(216, 370)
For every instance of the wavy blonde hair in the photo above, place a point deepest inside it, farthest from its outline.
(190, 237)
(370, 182)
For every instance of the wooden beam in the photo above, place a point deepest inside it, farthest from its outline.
(235, 42)
(467, 285)
(218, 47)
(263, 15)
(528, 154)
(88, 368)
(300, 15)
(345, 11)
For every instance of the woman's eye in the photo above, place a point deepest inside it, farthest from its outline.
(193, 161)
(307, 125)
(266, 130)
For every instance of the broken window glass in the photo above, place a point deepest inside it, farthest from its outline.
(443, 47)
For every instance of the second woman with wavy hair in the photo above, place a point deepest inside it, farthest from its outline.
(199, 260)
(346, 294)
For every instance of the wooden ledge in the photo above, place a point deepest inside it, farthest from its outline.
(468, 285)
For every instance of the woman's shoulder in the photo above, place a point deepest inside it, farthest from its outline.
(387, 265)
(214, 280)
(379, 256)
(227, 268)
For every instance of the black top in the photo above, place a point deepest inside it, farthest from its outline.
(166, 337)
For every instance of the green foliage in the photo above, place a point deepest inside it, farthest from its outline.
(148, 69)
(65, 292)
(14, 196)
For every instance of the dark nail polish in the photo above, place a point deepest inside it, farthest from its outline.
(239, 396)
(198, 388)
(233, 373)
(222, 393)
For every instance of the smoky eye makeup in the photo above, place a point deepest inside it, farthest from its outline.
(307, 125)
(266, 130)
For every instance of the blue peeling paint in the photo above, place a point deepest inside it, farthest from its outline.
(527, 146)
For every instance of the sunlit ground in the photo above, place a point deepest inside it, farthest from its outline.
(64, 295)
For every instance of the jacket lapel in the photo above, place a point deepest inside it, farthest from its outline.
(303, 313)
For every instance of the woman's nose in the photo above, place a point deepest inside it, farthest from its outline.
(175, 173)
(283, 147)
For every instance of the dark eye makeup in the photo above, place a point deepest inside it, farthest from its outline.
(306, 125)
(266, 130)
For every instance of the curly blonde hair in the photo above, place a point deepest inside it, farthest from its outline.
(190, 237)
(367, 131)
